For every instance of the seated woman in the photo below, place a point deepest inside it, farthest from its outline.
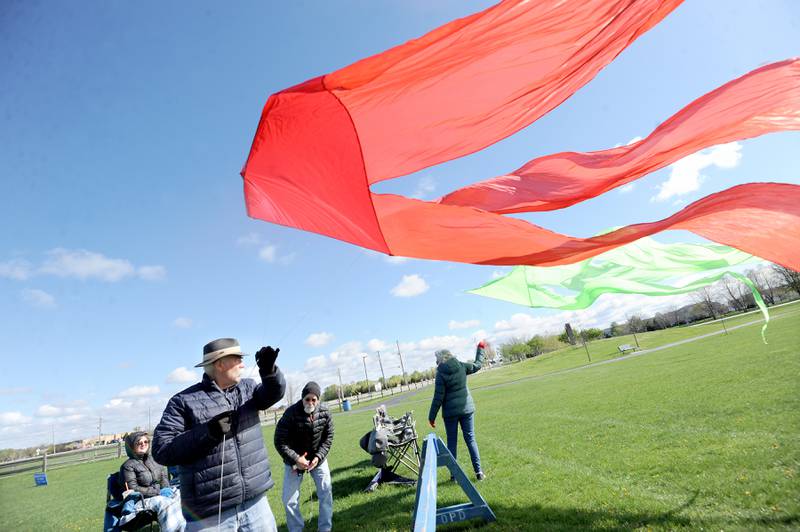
(142, 477)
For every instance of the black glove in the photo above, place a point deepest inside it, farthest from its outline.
(265, 358)
(221, 424)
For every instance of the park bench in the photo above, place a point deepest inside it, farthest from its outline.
(626, 347)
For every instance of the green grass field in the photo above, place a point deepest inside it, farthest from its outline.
(702, 435)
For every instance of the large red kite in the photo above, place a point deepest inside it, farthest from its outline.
(321, 144)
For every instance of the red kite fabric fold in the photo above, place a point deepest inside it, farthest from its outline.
(454, 91)
(763, 101)
(762, 219)
(321, 144)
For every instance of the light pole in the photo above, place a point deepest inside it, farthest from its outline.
(341, 390)
(380, 363)
(402, 367)
(366, 377)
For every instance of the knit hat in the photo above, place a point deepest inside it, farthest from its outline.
(312, 387)
(443, 355)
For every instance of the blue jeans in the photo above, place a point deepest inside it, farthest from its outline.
(467, 422)
(254, 515)
(291, 497)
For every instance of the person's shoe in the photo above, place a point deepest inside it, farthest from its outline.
(480, 475)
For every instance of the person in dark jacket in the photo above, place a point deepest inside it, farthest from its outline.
(213, 433)
(141, 475)
(452, 396)
(303, 437)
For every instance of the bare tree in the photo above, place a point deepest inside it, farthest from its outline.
(737, 299)
(790, 278)
(672, 314)
(764, 284)
(705, 297)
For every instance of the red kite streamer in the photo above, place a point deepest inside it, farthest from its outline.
(763, 101)
(321, 144)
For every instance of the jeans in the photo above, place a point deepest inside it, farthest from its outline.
(254, 515)
(467, 422)
(291, 497)
(168, 509)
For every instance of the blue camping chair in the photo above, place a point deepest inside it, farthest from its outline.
(113, 513)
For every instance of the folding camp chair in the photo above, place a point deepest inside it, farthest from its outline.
(392, 443)
(403, 446)
(144, 520)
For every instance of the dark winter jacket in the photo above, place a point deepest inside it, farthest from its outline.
(183, 438)
(451, 393)
(140, 472)
(298, 433)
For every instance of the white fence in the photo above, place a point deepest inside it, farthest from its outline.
(67, 458)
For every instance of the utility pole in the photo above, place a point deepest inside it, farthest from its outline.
(583, 339)
(99, 429)
(53, 429)
(341, 390)
(402, 367)
(366, 377)
(382, 374)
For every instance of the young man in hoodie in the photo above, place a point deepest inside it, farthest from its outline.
(146, 485)
(303, 438)
(453, 397)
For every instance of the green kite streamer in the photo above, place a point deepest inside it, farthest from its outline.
(643, 267)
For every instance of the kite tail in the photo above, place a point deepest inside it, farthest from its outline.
(758, 299)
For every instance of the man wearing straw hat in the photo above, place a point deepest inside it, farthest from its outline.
(212, 431)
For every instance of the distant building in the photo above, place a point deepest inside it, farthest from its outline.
(103, 439)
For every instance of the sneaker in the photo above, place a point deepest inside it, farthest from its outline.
(480, 475)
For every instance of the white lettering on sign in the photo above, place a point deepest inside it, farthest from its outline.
(452, 517)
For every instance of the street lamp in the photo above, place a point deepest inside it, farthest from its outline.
(366, 377)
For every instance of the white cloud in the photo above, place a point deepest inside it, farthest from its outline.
(38, 298)
(319, 339)
(139, 391)
(467, 324)
(183, 374)
(634, 139)
(685, 175)
(410, 286)
(624, 189)
(425, 186)
(48, 411)
(376, 345)
(152, 273)
(317, 362)
(83, 264)
(182, 322)
(269, 254)
(75, 410)
(13, 418)
(16, 269)
(394, 259)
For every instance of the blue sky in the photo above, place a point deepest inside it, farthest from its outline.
(125, 244)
